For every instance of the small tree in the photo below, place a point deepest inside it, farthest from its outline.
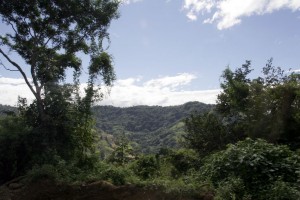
(123, 152)
(255, 165)
(206, 133)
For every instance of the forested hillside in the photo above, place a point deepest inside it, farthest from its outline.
(5, 109)
(149, 127)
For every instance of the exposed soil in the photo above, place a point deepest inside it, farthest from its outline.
(19, 189)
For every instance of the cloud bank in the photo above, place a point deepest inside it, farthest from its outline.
(297, 71)
(11, 88)
(163, 91)
(129, 1)
(227, 13)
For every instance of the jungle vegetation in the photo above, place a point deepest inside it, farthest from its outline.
(244, 147)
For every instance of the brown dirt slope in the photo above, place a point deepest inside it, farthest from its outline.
(19, 189)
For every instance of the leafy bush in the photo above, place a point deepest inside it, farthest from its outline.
(206, 133)
(59, 171)
(183, 160)
(117, 175)
(146, 167)
(281, 190)
(256, 163)
(232, 188)
(15, 148)
(46, 171)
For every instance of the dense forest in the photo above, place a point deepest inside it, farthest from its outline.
(149, 128)
(245, 147)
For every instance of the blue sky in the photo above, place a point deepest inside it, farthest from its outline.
(168, 52)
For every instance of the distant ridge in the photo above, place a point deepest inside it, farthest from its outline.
(149, 128)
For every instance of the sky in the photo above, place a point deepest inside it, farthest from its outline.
(168, 52)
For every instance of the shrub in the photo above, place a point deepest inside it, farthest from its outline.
(146, 167)
(207, 133)
(232, 188)
(183, 160)
(257, 163)
(116, 175)
(281, 190)
(58, 171)
(15, 148)
(46, 171)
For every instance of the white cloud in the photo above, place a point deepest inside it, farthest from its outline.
(295, 71)
(163, 91)
(129, 1)
(227, 13)
(11, 88)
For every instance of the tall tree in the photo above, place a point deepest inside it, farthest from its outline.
(265, 107)
(51, 36)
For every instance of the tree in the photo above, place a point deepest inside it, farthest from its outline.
(123, 152)
(50, 36)
(233, 101)
(206, 133)
(265, 107)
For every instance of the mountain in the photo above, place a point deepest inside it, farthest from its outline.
(149, 128)
(5, 109)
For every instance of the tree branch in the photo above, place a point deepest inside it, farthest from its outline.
(12, 70)
(21, 71)
(13, 27)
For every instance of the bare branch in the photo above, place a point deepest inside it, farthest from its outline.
(13, 27)
(12, 70)
(21, 71)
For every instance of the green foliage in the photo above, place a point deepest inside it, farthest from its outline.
(265, 107)
(256, 163)
(232, 189)
(58, 172)
(281, 190)
(15, 147)
(50, 36)
(206, 133)
(146, 167)
(150, 127)
(236, 88)
(68, 131)
(183, 160)
(62, 171)
(123, 152)
(116, 175)
(7, 110)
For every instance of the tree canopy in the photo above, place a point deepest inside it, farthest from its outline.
(265, 107)
(45, 39)
(48, 35)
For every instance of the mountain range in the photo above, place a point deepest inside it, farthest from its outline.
(148, 128)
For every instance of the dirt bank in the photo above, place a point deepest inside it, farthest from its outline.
(19, 189)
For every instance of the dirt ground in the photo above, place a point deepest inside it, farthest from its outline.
(18, 189)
